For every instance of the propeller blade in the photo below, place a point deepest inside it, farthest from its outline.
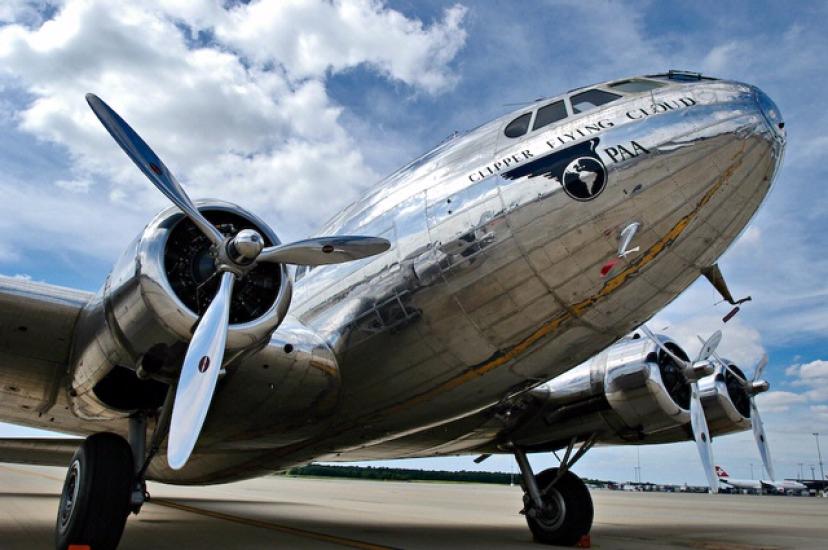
(702, 436)
(325, 250)
(724, 364)
(646, 330)
(709, 346)
(149, 163)
(761, 439)
(760, 367)
(199, 374)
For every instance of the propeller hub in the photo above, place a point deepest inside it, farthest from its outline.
(698, 369)
(758, 386)
(245, 247)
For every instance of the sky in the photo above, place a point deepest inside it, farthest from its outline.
(292, 109)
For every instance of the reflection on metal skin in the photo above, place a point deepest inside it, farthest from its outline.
(494, 280)
(505, 274)
(281, 395)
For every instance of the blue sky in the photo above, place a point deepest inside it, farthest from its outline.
(273, 106)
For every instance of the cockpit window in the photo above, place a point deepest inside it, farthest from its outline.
(518, 127)
(635, 85)
(549, 114)
(591, 99)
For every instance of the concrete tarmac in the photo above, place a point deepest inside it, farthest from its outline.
(286, 512)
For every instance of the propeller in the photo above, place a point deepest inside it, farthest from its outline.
(693, 371)
(752, 388)
(235, 256)
(199, 375)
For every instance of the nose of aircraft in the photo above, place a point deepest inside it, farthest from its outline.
(771, 112)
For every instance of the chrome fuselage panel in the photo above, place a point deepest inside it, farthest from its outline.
(497, 277)
(495, 285)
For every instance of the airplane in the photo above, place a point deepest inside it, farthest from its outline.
(783, 486)
(422, 320)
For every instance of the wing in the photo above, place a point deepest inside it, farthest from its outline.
(40, 451)
(36, 326)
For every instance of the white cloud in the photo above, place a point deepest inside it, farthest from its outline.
(76, 185)
(311, 38)
(813, 377)
(814, 372)
(19, 276)
(248, 120)
(820, 410)
(806, 409)
(25, 11)
(779, 401)
(741, 343)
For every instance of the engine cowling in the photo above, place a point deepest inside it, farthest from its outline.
(629, 393)
(646, 388)
(143, 317)
(725, 400)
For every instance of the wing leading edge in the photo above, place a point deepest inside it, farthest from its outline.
(38, 451)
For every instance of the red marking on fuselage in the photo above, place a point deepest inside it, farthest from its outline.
(607, 267)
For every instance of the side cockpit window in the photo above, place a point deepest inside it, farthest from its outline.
(590, 99)
(518, 127)
(549, 114)
(636, 85)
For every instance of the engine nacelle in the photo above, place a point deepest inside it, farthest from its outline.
(144, 316)
(645, 388)
(629, 393)
(725, 401)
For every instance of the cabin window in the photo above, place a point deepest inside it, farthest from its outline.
(518, 127)
(549, 114)
(636, 85)
(591, 99)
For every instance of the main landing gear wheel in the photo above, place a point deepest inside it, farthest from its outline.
(567, 509)
(95, 501)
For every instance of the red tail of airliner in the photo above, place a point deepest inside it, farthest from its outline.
(720, 472)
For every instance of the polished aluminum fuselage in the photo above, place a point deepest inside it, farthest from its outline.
(494, 284)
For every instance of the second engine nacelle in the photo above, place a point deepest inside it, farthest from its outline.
(726, 402)
(631, 392)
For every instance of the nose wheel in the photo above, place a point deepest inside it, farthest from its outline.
(565, 516)
(95, 500)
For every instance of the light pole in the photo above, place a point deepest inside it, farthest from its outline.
(813, 474)
(819, 455)
(638, 462)
(800, 470)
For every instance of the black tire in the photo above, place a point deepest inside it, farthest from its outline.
(95, 501)
(568, 511)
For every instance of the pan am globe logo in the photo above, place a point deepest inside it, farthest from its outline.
(584, 178)
(578, 169)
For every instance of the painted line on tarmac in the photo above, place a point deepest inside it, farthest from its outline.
(352, 543)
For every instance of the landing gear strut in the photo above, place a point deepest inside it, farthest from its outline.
(557, 504)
